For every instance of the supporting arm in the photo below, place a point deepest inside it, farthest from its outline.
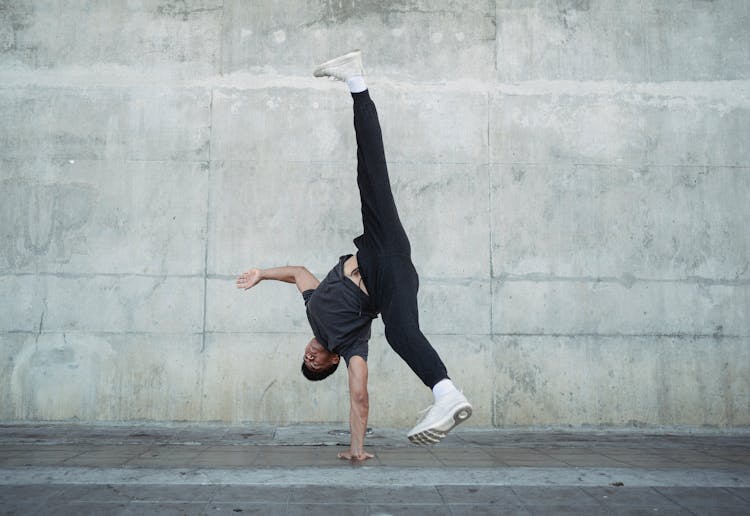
(359, 406)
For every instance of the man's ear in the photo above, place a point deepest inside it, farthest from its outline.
(335, 359)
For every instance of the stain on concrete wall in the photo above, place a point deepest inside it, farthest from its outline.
(42, 221)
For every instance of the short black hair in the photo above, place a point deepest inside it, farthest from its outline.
(315, 376)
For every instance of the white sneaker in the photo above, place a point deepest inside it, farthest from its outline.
(343, 67)
(440, 418)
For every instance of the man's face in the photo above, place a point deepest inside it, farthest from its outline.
(318, 358)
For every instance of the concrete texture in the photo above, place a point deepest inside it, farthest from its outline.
(265, 469)
(573, 175)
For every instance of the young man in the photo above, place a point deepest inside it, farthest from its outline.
(380, 278)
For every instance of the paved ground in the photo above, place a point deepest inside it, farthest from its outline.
(218, 469)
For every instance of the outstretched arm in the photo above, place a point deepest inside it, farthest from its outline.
(289, 274)
(359, 406)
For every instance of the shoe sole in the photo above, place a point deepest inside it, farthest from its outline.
(336, 61)
(434, 435)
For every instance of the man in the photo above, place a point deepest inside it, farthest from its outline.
(379, 278)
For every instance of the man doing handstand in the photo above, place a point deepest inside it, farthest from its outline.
(379, 278)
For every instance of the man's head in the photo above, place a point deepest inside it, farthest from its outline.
(318, 363)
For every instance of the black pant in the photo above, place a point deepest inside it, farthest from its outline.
(385, 253)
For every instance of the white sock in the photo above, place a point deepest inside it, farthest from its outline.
(443, 388)
(356, 84)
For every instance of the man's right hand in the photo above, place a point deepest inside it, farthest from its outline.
(355, 456)
(249, 279)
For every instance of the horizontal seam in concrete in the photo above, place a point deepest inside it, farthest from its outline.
(677, 335)
(197, 333)
(108, 77)
(71, 160)
(86, 275)
(501, 278)
(626, 280)
(428, 333)
(626, 166)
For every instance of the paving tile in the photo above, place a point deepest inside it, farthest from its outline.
(727, 466)
(77, 492)
(298, 456)
(629, 496)
(613, 451)
(514, 453)
(738, 457)
(500, 496)
(245, 508)
(526, 457)
(464, 452)
(172, 450)
(254, 494)
(483, 438)
(406, 457)
(13, 449)
(648, 511)
(535, 463)
(466, 457)
(167, 493)
(242, 458)
(163, 509)
(117, 449)
(458, 462)
(152, 434)
(167, 462)
(80, 508)
(566, 450)
(41, 430)
(27, 494)
(742, 492)
(549, 495)
(101, 459)
(702, 496)
(219, 447)
(166, 456)
(701, 510)
(135, 493)
(634, 455)
(685, 456)
(580, 460)
(409, 510)
(200, 434)
(567, 510)
(23, 500)
(14, 508)
(570, 450)
(651, 462)
(733, 455)
(326, 494)
(326, 510)
(38, 458)
(403, 495)
(255, 434)
(486, 510)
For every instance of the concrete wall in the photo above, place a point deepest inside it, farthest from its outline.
(574, 175)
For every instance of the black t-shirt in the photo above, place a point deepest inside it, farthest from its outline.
(340, 314)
